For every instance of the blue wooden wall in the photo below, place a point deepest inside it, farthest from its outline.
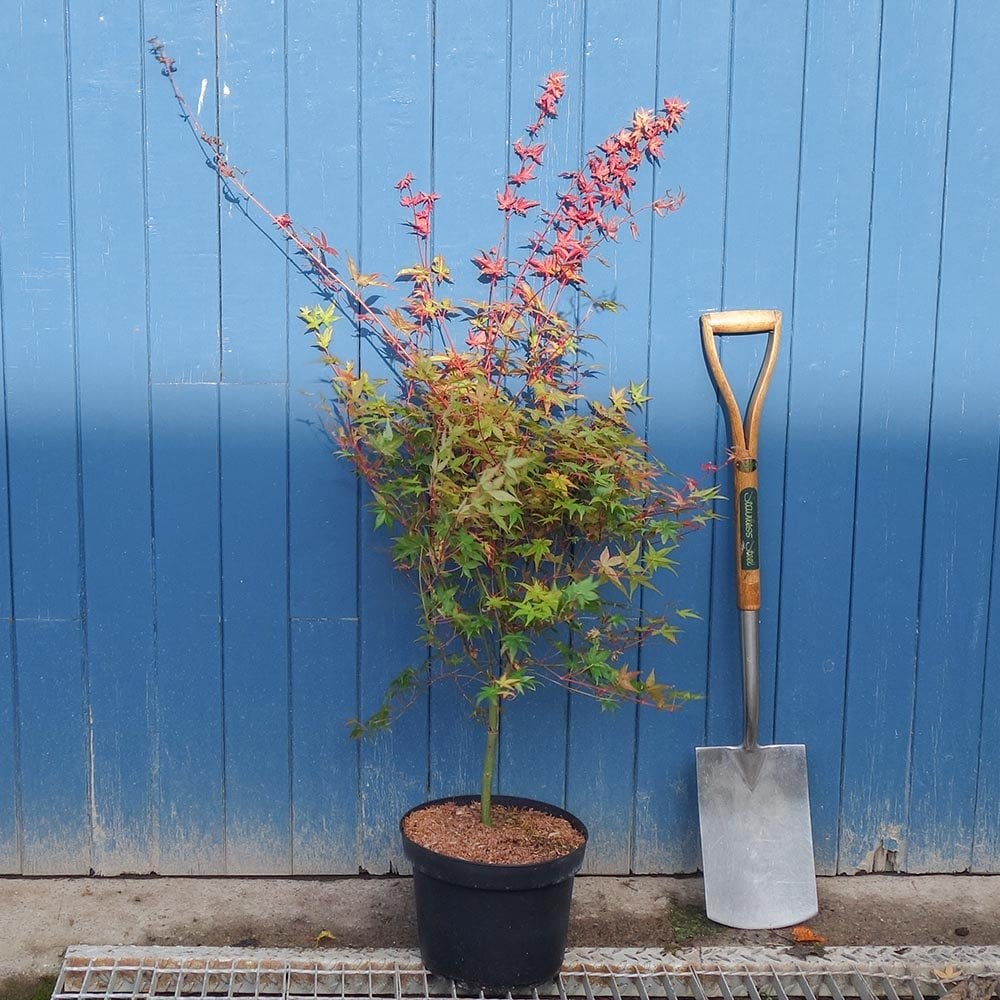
(192, 598)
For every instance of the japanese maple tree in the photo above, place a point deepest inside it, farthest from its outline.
(529, 517)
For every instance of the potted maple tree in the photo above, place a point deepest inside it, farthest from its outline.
(527, 516)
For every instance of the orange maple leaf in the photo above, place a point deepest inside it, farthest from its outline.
(806, 935)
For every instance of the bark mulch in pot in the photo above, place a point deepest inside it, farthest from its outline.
(517, 837)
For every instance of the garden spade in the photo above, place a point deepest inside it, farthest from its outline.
(753, 801)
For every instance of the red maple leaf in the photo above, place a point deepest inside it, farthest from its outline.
(598, 168)
(581, 217)
(319, 241)
(626, 140)
(491, 265)
(552, 92)
(668, 203)
(568, 249)
(421, 223)
(509, 202)
(544, 267)
(674, 109)
(606, 193)
(529, 152)
(525, 174)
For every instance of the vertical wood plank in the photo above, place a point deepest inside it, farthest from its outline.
(910, 140)
(183, 224)
(471, 79)
(252, 105)
(10, 855)
(183, 253)
(825, 357)
(252, 119)
(693, 56)
(544, 38)
(255, 634)
(961, 473)
(39, 321)
(396, 102)
(323, 195)
(43, 460)
(55, 806)
(323, 580)
(761, 189)
(325, 775)
(106, 57)
(619, 75)
(986, 835)
(188, 618)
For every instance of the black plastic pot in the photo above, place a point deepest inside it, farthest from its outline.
(493, 926)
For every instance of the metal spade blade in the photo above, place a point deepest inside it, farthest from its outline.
(756, 837)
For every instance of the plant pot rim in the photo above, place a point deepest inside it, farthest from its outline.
(484, 874)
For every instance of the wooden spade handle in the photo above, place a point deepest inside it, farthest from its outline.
(744, 432)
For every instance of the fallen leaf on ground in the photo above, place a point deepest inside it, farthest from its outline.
(806, 951)
(325, 936)
(806, 935)
(947, 972)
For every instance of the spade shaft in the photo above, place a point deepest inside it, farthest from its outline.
(750, 648)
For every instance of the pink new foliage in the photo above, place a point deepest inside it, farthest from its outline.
(591, 210)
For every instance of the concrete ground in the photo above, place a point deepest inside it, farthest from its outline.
(40, 917)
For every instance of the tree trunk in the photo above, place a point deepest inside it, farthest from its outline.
(489, 762)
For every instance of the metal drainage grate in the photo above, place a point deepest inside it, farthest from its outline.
(121, 974)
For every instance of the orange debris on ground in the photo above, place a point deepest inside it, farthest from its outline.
(806, 935)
